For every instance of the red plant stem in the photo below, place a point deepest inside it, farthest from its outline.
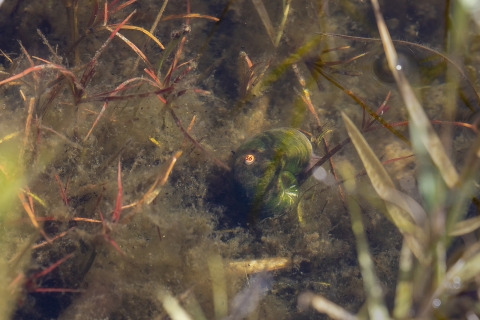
(62, 189)
(53, 239)
(105, 14)
(94, 15)
(65, 72)
(53, 266)
(120, 7)
(118, 203)
(90, 69)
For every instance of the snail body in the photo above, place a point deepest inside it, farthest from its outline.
(266, 170)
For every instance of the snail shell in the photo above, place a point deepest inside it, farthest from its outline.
(266, 169)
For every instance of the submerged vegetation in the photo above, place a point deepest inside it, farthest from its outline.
(119, 124)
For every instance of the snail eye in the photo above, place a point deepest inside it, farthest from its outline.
(249, 159)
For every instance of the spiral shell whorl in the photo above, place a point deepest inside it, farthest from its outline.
(266, 168)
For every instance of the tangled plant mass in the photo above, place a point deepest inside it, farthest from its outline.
(120, 123)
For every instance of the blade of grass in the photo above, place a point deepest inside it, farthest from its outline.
(155, 189)
(385, 188)
(29, 210)
(35, 197)
(404, 290)
(465, 226)
(277, 72)
(466, 269)
(152, 30)
(193, 307)
(147, 33)
(263, 13)
(323, 305)
(286, 10)
(469, 175)
(133, 47)
(161, 180)
(186, 29)
(172, 306)
(373, 290)
(418, 118)
(170, 47)
(10, 136)
(219, 286)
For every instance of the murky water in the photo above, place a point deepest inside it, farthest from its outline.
(185, 240)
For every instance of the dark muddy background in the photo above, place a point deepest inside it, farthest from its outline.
(174, 243)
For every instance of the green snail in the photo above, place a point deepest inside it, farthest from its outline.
(267, 167)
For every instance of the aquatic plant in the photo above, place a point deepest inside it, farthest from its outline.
(428, 286)
(132, 214)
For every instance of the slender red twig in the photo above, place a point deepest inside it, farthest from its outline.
(122, 6)
(90, 69)
(118, 203)
(62, 189)
(51, 267)
(121, 87)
